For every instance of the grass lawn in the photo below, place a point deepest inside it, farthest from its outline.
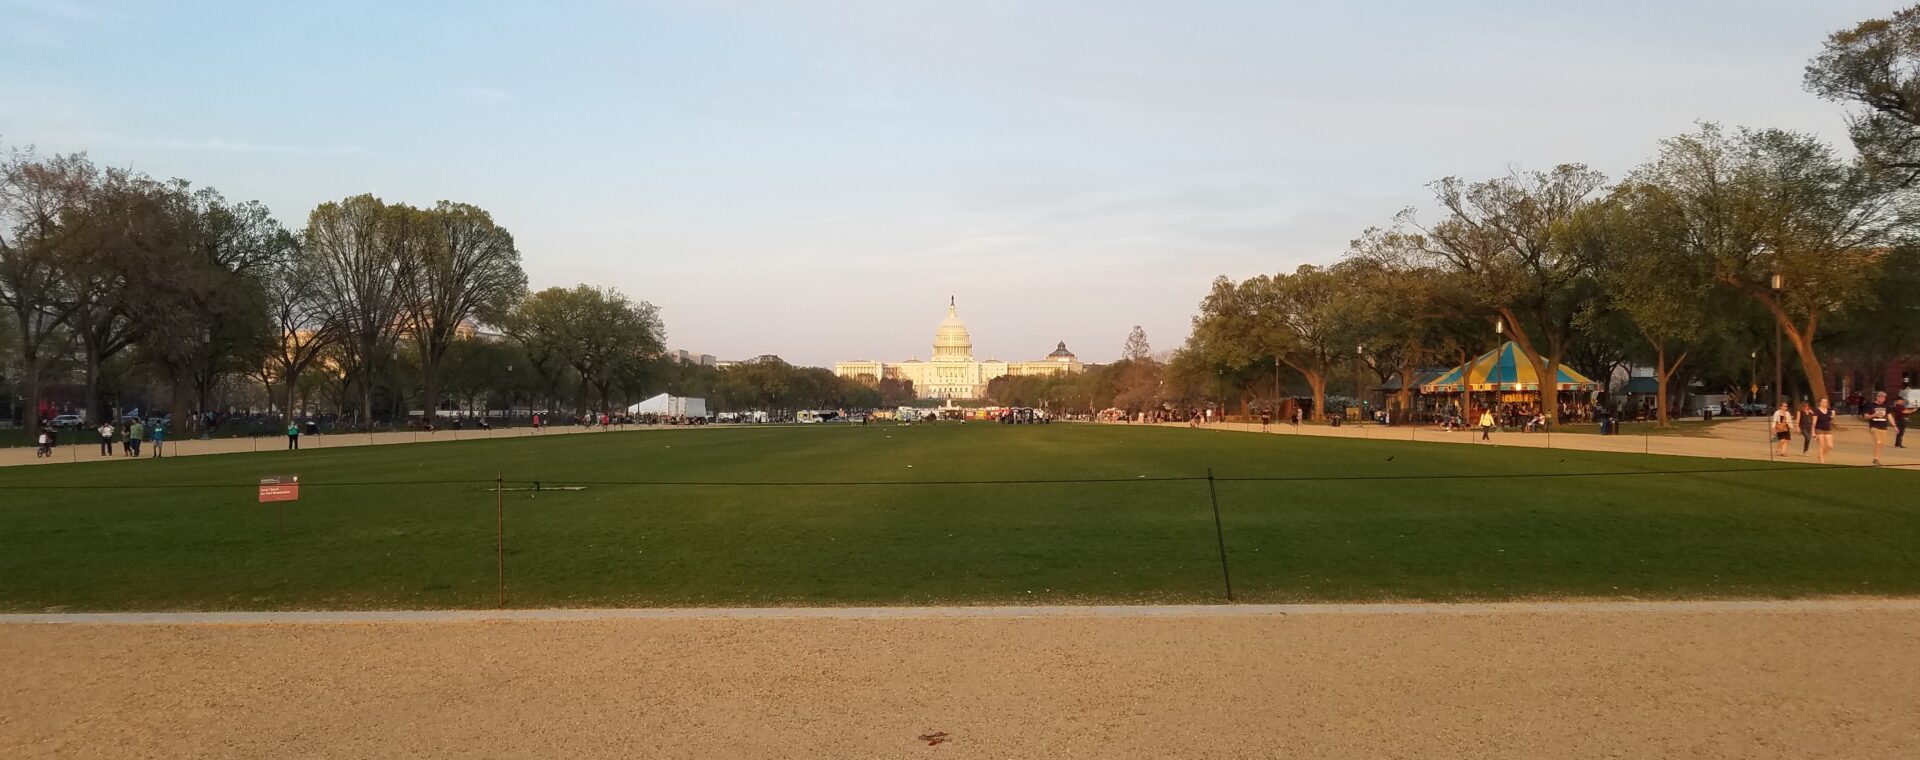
(186, 533)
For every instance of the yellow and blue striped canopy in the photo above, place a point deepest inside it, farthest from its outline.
(1504, 369)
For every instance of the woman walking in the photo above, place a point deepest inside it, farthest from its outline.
(1823, 428)
(1783, 427)
(1879, 422)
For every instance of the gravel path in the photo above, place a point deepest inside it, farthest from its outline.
(1836, 680)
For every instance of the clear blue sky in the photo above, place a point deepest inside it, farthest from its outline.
(813, 179)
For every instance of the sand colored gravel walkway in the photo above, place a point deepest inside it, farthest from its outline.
(1736, 439)
(88, 449)
(1567, 683)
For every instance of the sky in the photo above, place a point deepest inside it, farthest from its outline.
(815, 179)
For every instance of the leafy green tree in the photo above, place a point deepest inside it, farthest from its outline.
(1759, 203)
(1876, 66)
(1501, 238)
(598, 332)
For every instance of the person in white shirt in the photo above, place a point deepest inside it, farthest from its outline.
(1782, 427)
(106, 439)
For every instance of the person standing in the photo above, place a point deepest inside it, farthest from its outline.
(1783, 427)
(106, 439)
(1823, 428)
(159, 438)
(1486, 424)
(1805, 418)
(293, 435)
(1899, 413)
(1879, 422)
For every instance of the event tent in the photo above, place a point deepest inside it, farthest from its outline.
(671, 406)
(1504, 369)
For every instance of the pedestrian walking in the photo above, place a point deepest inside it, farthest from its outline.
(136, 433)
(1823, 428)
(293, 436)
(1879, 422)
(1783, 427)
(1899, 413)
(1805, 419)
(1486, 425)
(106, 439)
(158, 436)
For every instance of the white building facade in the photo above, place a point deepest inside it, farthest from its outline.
(951, 372)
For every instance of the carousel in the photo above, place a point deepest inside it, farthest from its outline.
(1503, 376)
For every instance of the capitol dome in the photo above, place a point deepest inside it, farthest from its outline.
(951, 342)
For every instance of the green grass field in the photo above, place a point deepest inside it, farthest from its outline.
(187, 534)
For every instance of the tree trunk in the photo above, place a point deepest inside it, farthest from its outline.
(1810, 365)
(1319, 385)
(1663, 376)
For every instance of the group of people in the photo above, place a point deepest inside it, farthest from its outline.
(1884, 420)
(132, 436)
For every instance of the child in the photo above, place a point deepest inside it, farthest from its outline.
(46, 446)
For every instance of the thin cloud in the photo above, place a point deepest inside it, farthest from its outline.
(215, 144)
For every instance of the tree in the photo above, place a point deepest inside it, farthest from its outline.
(1876, 65)
(1306, 320)
(366, 252)
(201, 302)
(1642, 247)
(598, 332)
(469, 269)
(1501, 237)
(1136, 347)
(1138, 374)
(35, 196)
(1760, 203)
(298, 318)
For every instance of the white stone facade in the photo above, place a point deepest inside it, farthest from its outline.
(952, 372)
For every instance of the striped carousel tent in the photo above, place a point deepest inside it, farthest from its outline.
(1504, 369)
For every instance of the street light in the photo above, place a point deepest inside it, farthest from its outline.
(1778, 282)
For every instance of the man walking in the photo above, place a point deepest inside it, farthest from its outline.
(159, 438)
(136, 433)
(1486, 425)
(106, 439)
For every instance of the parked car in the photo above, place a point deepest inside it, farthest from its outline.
(67, 421)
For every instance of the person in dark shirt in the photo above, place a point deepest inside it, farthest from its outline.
(1899, 412)
(1879, 422)
(1823, 428)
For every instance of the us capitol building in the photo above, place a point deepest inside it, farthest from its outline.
(952, 372)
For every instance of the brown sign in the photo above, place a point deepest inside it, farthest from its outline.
(280, 488)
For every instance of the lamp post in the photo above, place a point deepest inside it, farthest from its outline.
(1777, 282)
(1360, 353)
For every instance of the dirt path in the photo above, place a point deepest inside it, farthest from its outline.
(1739, 439)
(1563, 681)
(88, 448)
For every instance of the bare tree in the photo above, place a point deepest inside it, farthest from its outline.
(35, 197)
(469, 270)
(365, 251)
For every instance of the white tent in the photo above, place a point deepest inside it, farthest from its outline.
(671, 406)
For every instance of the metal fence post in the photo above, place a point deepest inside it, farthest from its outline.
(1219, 534)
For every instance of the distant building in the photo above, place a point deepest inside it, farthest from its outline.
(952, 371)
(684, 356)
